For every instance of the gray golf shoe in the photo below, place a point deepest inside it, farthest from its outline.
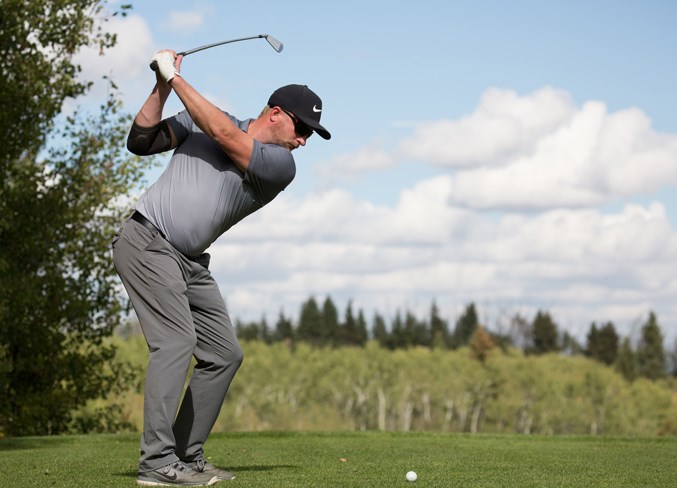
(202, 466)
(176, 474)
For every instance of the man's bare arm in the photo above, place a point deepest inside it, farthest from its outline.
(213, 122)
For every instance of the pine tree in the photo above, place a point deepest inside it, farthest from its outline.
(362, 334)
(544, 332)
(380, 332)
(398, 339)
(602, 343)
(348, 328)
(650, 354)
(570, 345)
(310, 323)
(330, 323)
(266, 336)
(410, 329)
(673, 359)
(248, 331)
(465, 326)
(592, 341)
(284, 329)
(439, 330)
(626, 361)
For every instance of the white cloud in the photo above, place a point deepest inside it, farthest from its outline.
(186, 21)
(594, 158)
(219, 101)
(502, 126)
(370, 158)
(126, 63)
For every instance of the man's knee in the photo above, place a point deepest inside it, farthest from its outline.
(230, 357)
(174, 344)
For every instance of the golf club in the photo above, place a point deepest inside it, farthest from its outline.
(274, 43)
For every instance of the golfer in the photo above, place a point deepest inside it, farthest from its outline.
(222, 170)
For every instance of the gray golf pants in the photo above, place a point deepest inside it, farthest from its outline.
(182, 314)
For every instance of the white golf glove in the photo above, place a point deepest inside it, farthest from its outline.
(163, 63)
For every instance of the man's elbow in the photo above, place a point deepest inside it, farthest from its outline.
(134, 147)
(144, 141)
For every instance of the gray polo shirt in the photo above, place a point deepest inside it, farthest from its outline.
(202, 193)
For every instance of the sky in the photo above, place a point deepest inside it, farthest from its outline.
(520, 155)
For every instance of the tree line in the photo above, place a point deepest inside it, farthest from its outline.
(321, 325)
(441, 390)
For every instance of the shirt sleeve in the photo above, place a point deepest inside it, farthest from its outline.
(271, 169)
(181, 125)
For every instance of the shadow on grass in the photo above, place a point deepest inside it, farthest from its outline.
(235, 469)
(22, 443)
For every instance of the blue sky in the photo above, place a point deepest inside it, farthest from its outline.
(520, 155)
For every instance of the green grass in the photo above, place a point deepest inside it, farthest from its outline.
(369, 459)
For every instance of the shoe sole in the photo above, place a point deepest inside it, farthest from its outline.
(149, 482)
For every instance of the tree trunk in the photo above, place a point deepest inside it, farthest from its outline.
(382, 405)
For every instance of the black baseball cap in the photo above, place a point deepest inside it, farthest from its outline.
(302, 102)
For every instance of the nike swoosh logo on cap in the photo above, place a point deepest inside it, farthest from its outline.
(315, 109)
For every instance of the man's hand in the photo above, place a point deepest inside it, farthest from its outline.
(163, 62)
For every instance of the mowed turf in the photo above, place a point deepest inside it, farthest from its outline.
(369, 459)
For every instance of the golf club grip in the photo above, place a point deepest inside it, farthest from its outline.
(154, 66)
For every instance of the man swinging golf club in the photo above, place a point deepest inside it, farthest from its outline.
(222, 170)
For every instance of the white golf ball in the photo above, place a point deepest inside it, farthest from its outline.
(411, 476)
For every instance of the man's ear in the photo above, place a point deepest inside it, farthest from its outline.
(275, 113)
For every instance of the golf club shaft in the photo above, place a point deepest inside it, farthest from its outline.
(207, 46)
(275, 44)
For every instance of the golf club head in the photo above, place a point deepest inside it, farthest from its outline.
(277, 45)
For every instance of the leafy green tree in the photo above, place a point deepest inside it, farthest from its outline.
(602, 344)
(626, 361)
(60, 296)
(310, 323)
(520, 332)
(465, 326)
(59, 209)
(481, 344)
(650, 354)
(38, 39)
(544, 333)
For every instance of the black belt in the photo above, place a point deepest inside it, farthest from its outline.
(146, 223)
(202, 259)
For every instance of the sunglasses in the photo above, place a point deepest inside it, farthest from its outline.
(301, 128)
